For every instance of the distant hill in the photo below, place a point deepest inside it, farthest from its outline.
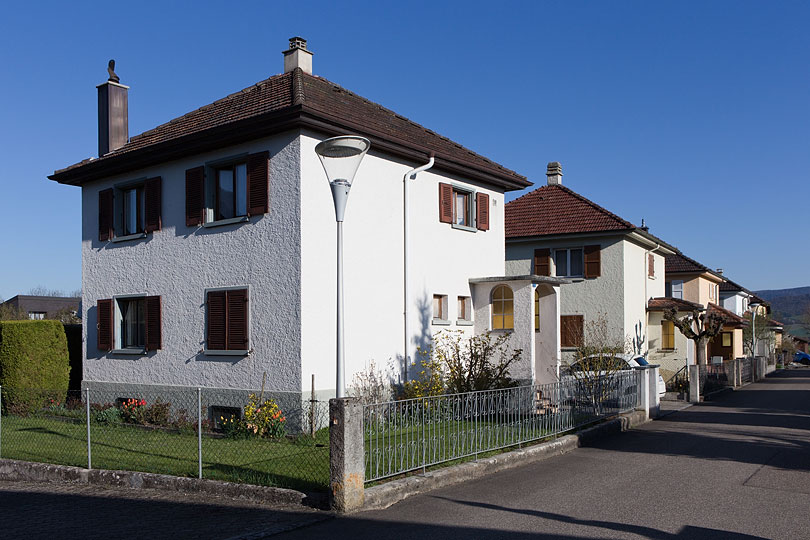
(790, 306)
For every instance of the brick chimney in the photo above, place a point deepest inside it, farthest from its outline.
(554, 173)
(113, 114)
(298, 56)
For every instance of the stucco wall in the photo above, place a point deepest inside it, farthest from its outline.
(639, 286)
(442, 260)
(669, 360)
(179, 263)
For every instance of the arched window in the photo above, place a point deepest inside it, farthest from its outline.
(537, 309)
(503, 308)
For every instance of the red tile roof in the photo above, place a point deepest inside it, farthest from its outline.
(730, 318)
(680, 263)
(286, 101)
(555, 209)
(661, 304)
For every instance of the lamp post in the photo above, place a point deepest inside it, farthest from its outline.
(340, 157)
(754, 306)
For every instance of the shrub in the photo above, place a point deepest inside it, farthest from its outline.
(33, 355)
(372, 385)
(110, 416)
(264, 418)
(158, 413)
(133, 411)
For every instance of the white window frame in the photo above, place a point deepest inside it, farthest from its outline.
(568, 262)
(672, 291)
(118, 319)
(210, 189)
(441, 318)
(471, 193)
(119, 191)
(467, 302)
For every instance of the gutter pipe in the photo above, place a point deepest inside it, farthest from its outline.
(410, 175)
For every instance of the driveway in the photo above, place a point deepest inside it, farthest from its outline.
(737, 467)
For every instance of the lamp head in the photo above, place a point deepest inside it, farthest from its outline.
(341, 156)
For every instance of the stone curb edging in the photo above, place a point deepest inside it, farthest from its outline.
(26, 471)
(384, 495)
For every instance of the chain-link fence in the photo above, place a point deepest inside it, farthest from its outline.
(271, 439)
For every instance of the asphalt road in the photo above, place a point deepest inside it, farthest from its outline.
(737, 467)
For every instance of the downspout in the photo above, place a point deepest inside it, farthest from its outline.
(405, 288)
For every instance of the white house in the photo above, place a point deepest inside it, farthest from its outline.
(613, 266)
(208, 243)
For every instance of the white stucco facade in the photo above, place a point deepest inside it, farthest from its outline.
(286, 259)
(619, 294)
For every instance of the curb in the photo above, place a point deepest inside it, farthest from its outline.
(384, 495)
(26, 471)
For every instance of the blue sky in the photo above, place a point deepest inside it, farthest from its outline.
(694, 116)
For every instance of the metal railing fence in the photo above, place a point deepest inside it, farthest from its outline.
(180, 431)
(714, 377)
(412, 434)
(747, 370)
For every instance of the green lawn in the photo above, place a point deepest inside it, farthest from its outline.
(298, 464)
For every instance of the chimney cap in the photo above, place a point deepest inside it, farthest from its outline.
(298, 42)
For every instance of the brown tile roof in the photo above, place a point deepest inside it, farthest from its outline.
(730, 286)
(555, 209)
(282, 102)
(729, 317)
(660, 304)
(680, 263)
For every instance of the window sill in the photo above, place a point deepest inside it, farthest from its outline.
(136, 352)
(229, 221)
(440, 322)
(209, 352)
(135, 236)
(463, 227)
(502, 331)
(464, 322)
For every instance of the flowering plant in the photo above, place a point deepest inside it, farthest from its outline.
(264, 418)
(132, 410)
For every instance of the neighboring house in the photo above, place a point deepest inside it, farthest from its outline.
(43, 307)
(208, 243)
(735, 297)
(613, 266)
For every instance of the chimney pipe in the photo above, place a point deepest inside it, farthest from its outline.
(297, 56)
(113, 113)
(554, 173)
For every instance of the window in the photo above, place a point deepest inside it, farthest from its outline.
(129, 324)
(132, 323)
(36, 315)
(568, 262)
(503, 308)
(464, 308)
(537, 310)
(228, 320)
(130, 209)
(439, 307)
(572, 329)
(674, 289)
(667, 335)
(228, 190)
(726, 339)
(463, 208)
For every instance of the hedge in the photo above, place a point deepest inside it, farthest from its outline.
(33, 356)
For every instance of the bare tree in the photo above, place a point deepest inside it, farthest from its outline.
(759, 328)
(699, 326)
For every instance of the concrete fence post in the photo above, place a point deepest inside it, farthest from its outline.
(644, 390)
(732, 373)
(738, 363)
(694, 383)
(655, 399)
(346, 457)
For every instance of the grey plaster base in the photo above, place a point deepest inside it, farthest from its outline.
(384, 495)
(13, 470)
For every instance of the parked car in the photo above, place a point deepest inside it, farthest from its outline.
(629, 361)
(802, 358)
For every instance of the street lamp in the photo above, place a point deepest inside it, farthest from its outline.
(340, 157)
(754, 306)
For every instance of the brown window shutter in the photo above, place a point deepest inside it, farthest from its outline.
(257, 183)
(593, 261)
(153, 202)
(571, 330)
(105, 215)
(542, 262)
(195, 189)
(237, 319)
(154, 338)
(217, 321)
(650, 265)
(104, 324)
(482, 211)
(445, 203)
